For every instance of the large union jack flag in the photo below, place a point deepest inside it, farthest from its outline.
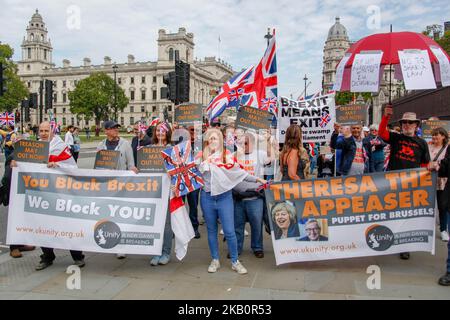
(7, 118)
(251, 87)
(184, 174)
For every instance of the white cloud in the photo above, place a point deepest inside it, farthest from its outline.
(117, 28)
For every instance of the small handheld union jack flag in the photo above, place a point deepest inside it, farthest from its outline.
(142, 127)
(264, 186)
(179, 163)
(324, 119)
(7, 118)
(270, 104)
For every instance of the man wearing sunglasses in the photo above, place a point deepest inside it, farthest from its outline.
(407, 149)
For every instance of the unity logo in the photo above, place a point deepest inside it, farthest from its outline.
(379, 238)
(107, 234)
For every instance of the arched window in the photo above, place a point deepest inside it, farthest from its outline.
(42, 37)
(32, 37)
(171, 54)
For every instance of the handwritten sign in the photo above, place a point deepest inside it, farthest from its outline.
(416, 70)
(351, 115)
(430, 125)
(31, 151)
(444, 65)
(149, 159)
(188, 114)
(253, 119)
(365, 76)
(107, 159)
(340, 73)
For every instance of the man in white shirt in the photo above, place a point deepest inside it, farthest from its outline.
(68, 138)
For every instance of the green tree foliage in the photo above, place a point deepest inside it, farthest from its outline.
(435, 31)
(16, 90)
(344, 97)
(94, 98)
(444, 42)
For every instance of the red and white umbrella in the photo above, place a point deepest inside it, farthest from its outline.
(417, 59)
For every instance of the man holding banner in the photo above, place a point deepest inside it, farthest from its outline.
(59, 156)
(408, 151)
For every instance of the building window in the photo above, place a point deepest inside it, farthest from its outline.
(171, 54)
(142, 108)
(132, 109)
(119, 80)
(142, 95)
(154, 94)
(64, 110)
(29, 84)
(177, 54)
(64, 121)
(131, 121)
(143, 79)
(122, 121)
(132, 80)
(154, 109)
(64, 98)
(169, 108)
(54, 110)
(154, 79)
(29, 53)
(55, 98)
(45, 54)
(132, 95)
(64, 83)
(72, 121)
(28, 67)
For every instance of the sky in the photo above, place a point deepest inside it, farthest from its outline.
(116, 28)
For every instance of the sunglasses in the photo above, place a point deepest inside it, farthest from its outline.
(408, 121)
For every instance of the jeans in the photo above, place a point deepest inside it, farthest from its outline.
(192, 199)
(48, 255)
(251, 210)
(442, 207)
(168, 236)
(219, 207)
(378, 166)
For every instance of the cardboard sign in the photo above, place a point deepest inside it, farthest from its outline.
(444, 65)
(416, 70)
(340, 72)
(107, 159)
(149, 159)
(325, 149)
(365, 75)
(31, 151)
(188, 114)
(249, 118)
(351, 115)
(429, 125)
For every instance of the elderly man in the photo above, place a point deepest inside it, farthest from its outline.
(376, 144)
(59, 156)
(313, 229)
(408, 151)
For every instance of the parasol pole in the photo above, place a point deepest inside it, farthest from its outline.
(390, 76)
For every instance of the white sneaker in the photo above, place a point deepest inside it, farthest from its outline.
(245, 233)
(121, 256)
(238, 267)
(444, 236)
(215, 264)
(221, 231)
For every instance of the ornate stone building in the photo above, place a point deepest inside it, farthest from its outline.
(141, 81)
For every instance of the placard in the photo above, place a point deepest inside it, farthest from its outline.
(107, 159)
(149, 159)
(416, 70)
(250, 118)
(31, 151)
(429, 125)
(365, 74)
(351, 114)
(444, 65)
(187, 114)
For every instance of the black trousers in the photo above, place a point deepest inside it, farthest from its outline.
(48, 255)
(442, 207)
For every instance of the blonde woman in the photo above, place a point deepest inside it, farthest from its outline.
(294, 159)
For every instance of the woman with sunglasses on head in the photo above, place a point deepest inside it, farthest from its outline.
(408, 151)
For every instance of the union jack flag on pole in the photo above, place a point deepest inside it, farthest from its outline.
(7, 118)
(184, 174)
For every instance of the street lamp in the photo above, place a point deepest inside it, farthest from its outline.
(306, 79)
(268, 36)
(115, 67)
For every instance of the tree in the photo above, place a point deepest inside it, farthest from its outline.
(444, 42)
(94, 98)
(435, 31)
(16, 90)
(345, 97)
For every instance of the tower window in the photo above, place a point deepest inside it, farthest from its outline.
(132, 80)
(171, 54)
(29, 53)
(32, 37)
(45, 54)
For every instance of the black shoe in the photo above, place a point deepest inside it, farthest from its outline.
(404, 256)
(259, 254)
(197, 234)
(43, 264)
(79, 263)
(445, 280)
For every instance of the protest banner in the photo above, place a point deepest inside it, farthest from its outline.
(416, 69)
(249, 118)
(31, 151)
(107, 159)
(365, 73)
(188, 114)
(429, 125)
(354, 216)
(89, 210)
(149, 159)
(315, 117)
(351, 114)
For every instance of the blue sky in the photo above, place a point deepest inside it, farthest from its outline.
(117, 28)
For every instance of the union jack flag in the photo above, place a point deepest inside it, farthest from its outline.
(53, 124)
(252, 86)
(270, 104)
(142, 127)
(179, 163)
(7, 118)
(324, 119)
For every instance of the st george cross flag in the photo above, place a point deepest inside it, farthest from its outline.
(7, 118)
(184, 174)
